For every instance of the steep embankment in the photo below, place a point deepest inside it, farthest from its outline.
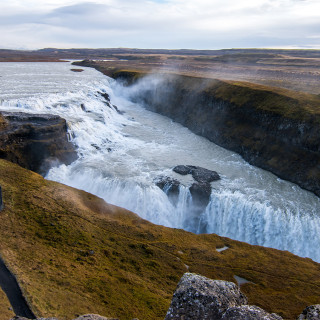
(272, 128)
(74, 254)
(34, 141)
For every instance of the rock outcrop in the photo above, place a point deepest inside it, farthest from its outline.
(35, 141)
(199, 174)
(170, 186)
(198, 297)
(310, 313)
(200, 190)
(276, 130)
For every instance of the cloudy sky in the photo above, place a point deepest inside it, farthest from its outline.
(194, 24)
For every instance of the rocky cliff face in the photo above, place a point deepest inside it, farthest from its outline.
(34, 141)
(277, 131)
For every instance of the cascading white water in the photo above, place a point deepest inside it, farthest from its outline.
(121, 155)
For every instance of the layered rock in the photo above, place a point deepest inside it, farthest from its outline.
(35, 141)
(198, 297)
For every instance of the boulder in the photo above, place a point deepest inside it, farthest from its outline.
(200, 193)
(310, 313)
(183, 170)
(247, 312)
(170, 186)
(198, 297)
(203, 175)
(35, 141)
(199, 174)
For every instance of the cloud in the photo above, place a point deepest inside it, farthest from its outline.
(160, 24)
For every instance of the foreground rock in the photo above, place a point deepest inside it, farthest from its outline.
(198, 297)
(310, 313)
(35, 141)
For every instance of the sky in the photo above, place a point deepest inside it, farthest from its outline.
(155, 24)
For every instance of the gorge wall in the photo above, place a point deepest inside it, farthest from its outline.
(274, 129)
(34, 141)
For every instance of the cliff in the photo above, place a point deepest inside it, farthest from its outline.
(73, 254)
(34, 141)
(272, 128)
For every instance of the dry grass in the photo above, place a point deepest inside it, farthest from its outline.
(5, 308)
(75, 254)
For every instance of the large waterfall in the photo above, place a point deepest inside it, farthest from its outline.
(124, 148)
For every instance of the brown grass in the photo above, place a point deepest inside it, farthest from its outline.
(75, 254)
(5, 307)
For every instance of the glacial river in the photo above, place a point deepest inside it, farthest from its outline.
(121, 155)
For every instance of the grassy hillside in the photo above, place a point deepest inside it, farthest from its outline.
(74, 254)
(5, 307)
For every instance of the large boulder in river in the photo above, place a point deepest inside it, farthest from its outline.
(199, 174)
(200, 193)
(310, 313)
(198, 297)
(170, 186)
(35, 141)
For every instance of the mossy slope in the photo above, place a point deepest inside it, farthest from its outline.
(74, 254)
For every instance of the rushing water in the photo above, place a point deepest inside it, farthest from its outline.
(121, 155)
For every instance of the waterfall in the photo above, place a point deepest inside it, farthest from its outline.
(124, 148)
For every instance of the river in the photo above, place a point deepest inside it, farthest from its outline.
(121, 154)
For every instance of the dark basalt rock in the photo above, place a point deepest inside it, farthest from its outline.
(108, 103)
(310, 313)
(200, 193)
(183, 170)
(35, 141)
(170, 187)
(198, 173)
(105, 96)
(203, 175)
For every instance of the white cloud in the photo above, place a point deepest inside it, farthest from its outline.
(159, 24)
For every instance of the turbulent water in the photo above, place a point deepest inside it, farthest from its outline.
(121, 155)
